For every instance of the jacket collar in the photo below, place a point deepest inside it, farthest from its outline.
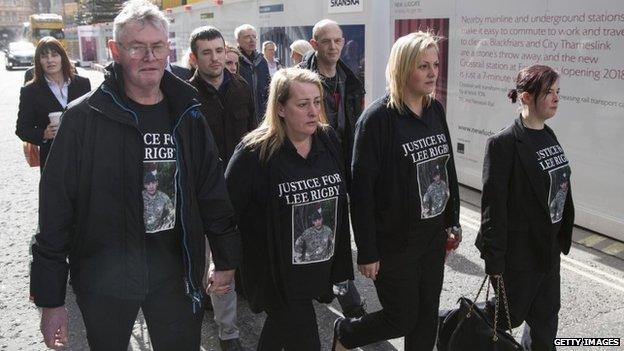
(528, 160)
(112, 100)
(72, 92)
(352, 84)
(42, 85)
(208, 89)
(254, 59)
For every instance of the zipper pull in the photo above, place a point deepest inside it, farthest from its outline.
(186, 286)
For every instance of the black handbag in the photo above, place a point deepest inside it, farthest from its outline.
(467, 328)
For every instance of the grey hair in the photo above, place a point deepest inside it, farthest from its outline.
(267, 43)
(141, 11)
(301, 47)
(318, 27)
(243, 27)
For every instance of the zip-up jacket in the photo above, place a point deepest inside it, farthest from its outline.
(91, 207)
(354, 104)
(255, 70)
(229, 111)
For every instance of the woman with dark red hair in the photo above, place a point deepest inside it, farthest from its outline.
(527, 210)
(53, 86)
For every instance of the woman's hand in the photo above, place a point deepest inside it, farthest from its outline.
(369, 270)
(50, 131)
(454, 234)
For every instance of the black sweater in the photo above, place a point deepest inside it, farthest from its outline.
(395, 160)
(275, 202)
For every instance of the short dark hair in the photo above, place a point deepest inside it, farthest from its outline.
(149, 177)
(204, 33)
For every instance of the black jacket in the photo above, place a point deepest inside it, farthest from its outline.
(250, 182)
(229, 111)
(91, 207)
(382, 194)
(255, 71)
(181, 72)
(354, 103)
(36, 101)
(515, 219)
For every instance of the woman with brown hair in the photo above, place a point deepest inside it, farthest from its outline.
(53, 86)
(527, 209)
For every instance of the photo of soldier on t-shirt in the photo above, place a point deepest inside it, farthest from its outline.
(314, 231)
(559, 185)
(433, 186)
(158, 196)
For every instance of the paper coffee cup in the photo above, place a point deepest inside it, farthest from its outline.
(55, 118)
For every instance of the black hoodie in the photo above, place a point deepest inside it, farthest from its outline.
(91, 206)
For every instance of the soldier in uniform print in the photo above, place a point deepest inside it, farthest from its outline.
(434, 199)
(316, 243)
(157, 206)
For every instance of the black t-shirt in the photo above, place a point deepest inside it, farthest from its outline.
(425, 153)
(551, 160)
(160, 200)
(334, 91)
(309, 193)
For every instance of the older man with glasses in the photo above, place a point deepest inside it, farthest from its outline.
(141, 124)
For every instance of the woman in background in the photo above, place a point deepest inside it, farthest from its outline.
(231, 58)
(268, 50)
(53, 86)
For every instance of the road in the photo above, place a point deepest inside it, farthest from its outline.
(592, 282)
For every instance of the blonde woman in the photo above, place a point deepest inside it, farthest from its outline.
(286, 182)
(404, 201)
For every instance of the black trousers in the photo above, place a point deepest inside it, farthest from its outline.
(533, 297)
(408, 286)
(171, 323)
(291, 328)
(350, 302)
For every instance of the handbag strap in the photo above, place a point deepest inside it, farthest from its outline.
(500, 292)
(480, 289)
(477, 297)
(504, 294)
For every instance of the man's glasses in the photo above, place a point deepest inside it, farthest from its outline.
(159, 51)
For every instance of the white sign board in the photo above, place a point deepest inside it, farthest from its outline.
(491, 40)
(488, 42)
(345, 6)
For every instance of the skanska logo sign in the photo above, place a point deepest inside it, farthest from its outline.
(342, 6)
